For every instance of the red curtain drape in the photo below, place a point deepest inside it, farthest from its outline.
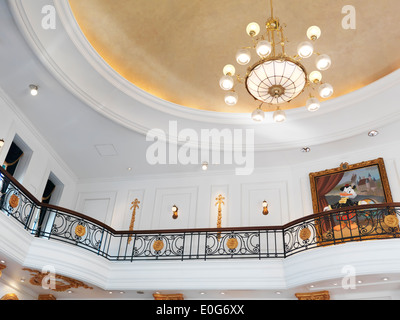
(324, 185)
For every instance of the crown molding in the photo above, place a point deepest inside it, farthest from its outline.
(35, 133)
(84, 73)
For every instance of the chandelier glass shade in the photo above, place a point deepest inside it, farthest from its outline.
(277, 77)
(276, 81)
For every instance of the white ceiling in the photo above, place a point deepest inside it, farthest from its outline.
(83, 104)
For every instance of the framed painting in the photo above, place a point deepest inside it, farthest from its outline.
(348, 186)
(368, 180)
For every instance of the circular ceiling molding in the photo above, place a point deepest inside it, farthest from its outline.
(71, 58)
(176, 50)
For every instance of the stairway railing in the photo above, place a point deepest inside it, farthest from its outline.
(367, 222)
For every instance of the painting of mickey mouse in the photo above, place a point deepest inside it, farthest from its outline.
(346, 187)
(347, 196)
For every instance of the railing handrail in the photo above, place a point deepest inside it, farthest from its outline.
(192, 230)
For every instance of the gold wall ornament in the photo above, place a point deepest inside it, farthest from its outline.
(62, 283)
(220, 201)
(14, 201)
(322, 295)
(305, 234)
(135, 205)
(158, 245)
(344, 166)
(232, 243)
(392, 221)
(265, 208)
(2, 267)
(159, 296)
(175, 212)
(80, 230)
(10, 296)
(46, 297)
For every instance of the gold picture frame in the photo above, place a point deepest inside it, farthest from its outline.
(368, 181)
(345, 169)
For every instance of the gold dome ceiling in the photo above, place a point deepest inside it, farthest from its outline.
(176, 49)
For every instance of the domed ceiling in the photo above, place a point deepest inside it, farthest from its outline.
(176, 49)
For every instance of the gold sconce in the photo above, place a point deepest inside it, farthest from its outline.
(265, 208)
(175, 212)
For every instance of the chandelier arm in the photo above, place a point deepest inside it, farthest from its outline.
(272, 8)
(282, 41)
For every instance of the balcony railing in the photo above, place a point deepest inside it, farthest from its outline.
(378, 221)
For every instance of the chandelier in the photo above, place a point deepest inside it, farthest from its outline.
(276, 77)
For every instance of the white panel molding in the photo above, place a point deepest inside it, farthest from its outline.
(253, 195)
(132, 195)
(226, 220)
(110, 196)
(29, 132)
(185, 198)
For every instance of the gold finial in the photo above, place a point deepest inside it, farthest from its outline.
(220, 201)
(135, 205)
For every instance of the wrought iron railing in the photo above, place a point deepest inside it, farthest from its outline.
(359, 223)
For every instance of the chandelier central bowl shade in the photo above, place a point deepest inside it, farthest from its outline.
(276, 80)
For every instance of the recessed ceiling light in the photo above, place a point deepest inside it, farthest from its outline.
(34, 89)
(2, 261)
(373, 133)
(359, 281)
(278, 292)
(385, 279)
(204, 166)
(312, 286)
(110, 292)
(22, 280)
(69, 291)
(129, 169)
(306, 150)
(121, 292)
(222, 292)
(202, 293)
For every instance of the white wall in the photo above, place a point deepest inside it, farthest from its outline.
(43, 160)
(287, 189)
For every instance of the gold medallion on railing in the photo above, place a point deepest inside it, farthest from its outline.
(305, 234)
(80, 230)
(232, 243)
(158, 245)
(392, 221)
(14, 201)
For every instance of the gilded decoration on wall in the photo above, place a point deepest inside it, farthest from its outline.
(322, 295)
(10, 296)
(135, 205)
(46, 297)
(62, 283)
(220, 201)
(158, 296)
(2, 267)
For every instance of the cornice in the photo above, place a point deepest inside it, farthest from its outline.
(83, 72)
